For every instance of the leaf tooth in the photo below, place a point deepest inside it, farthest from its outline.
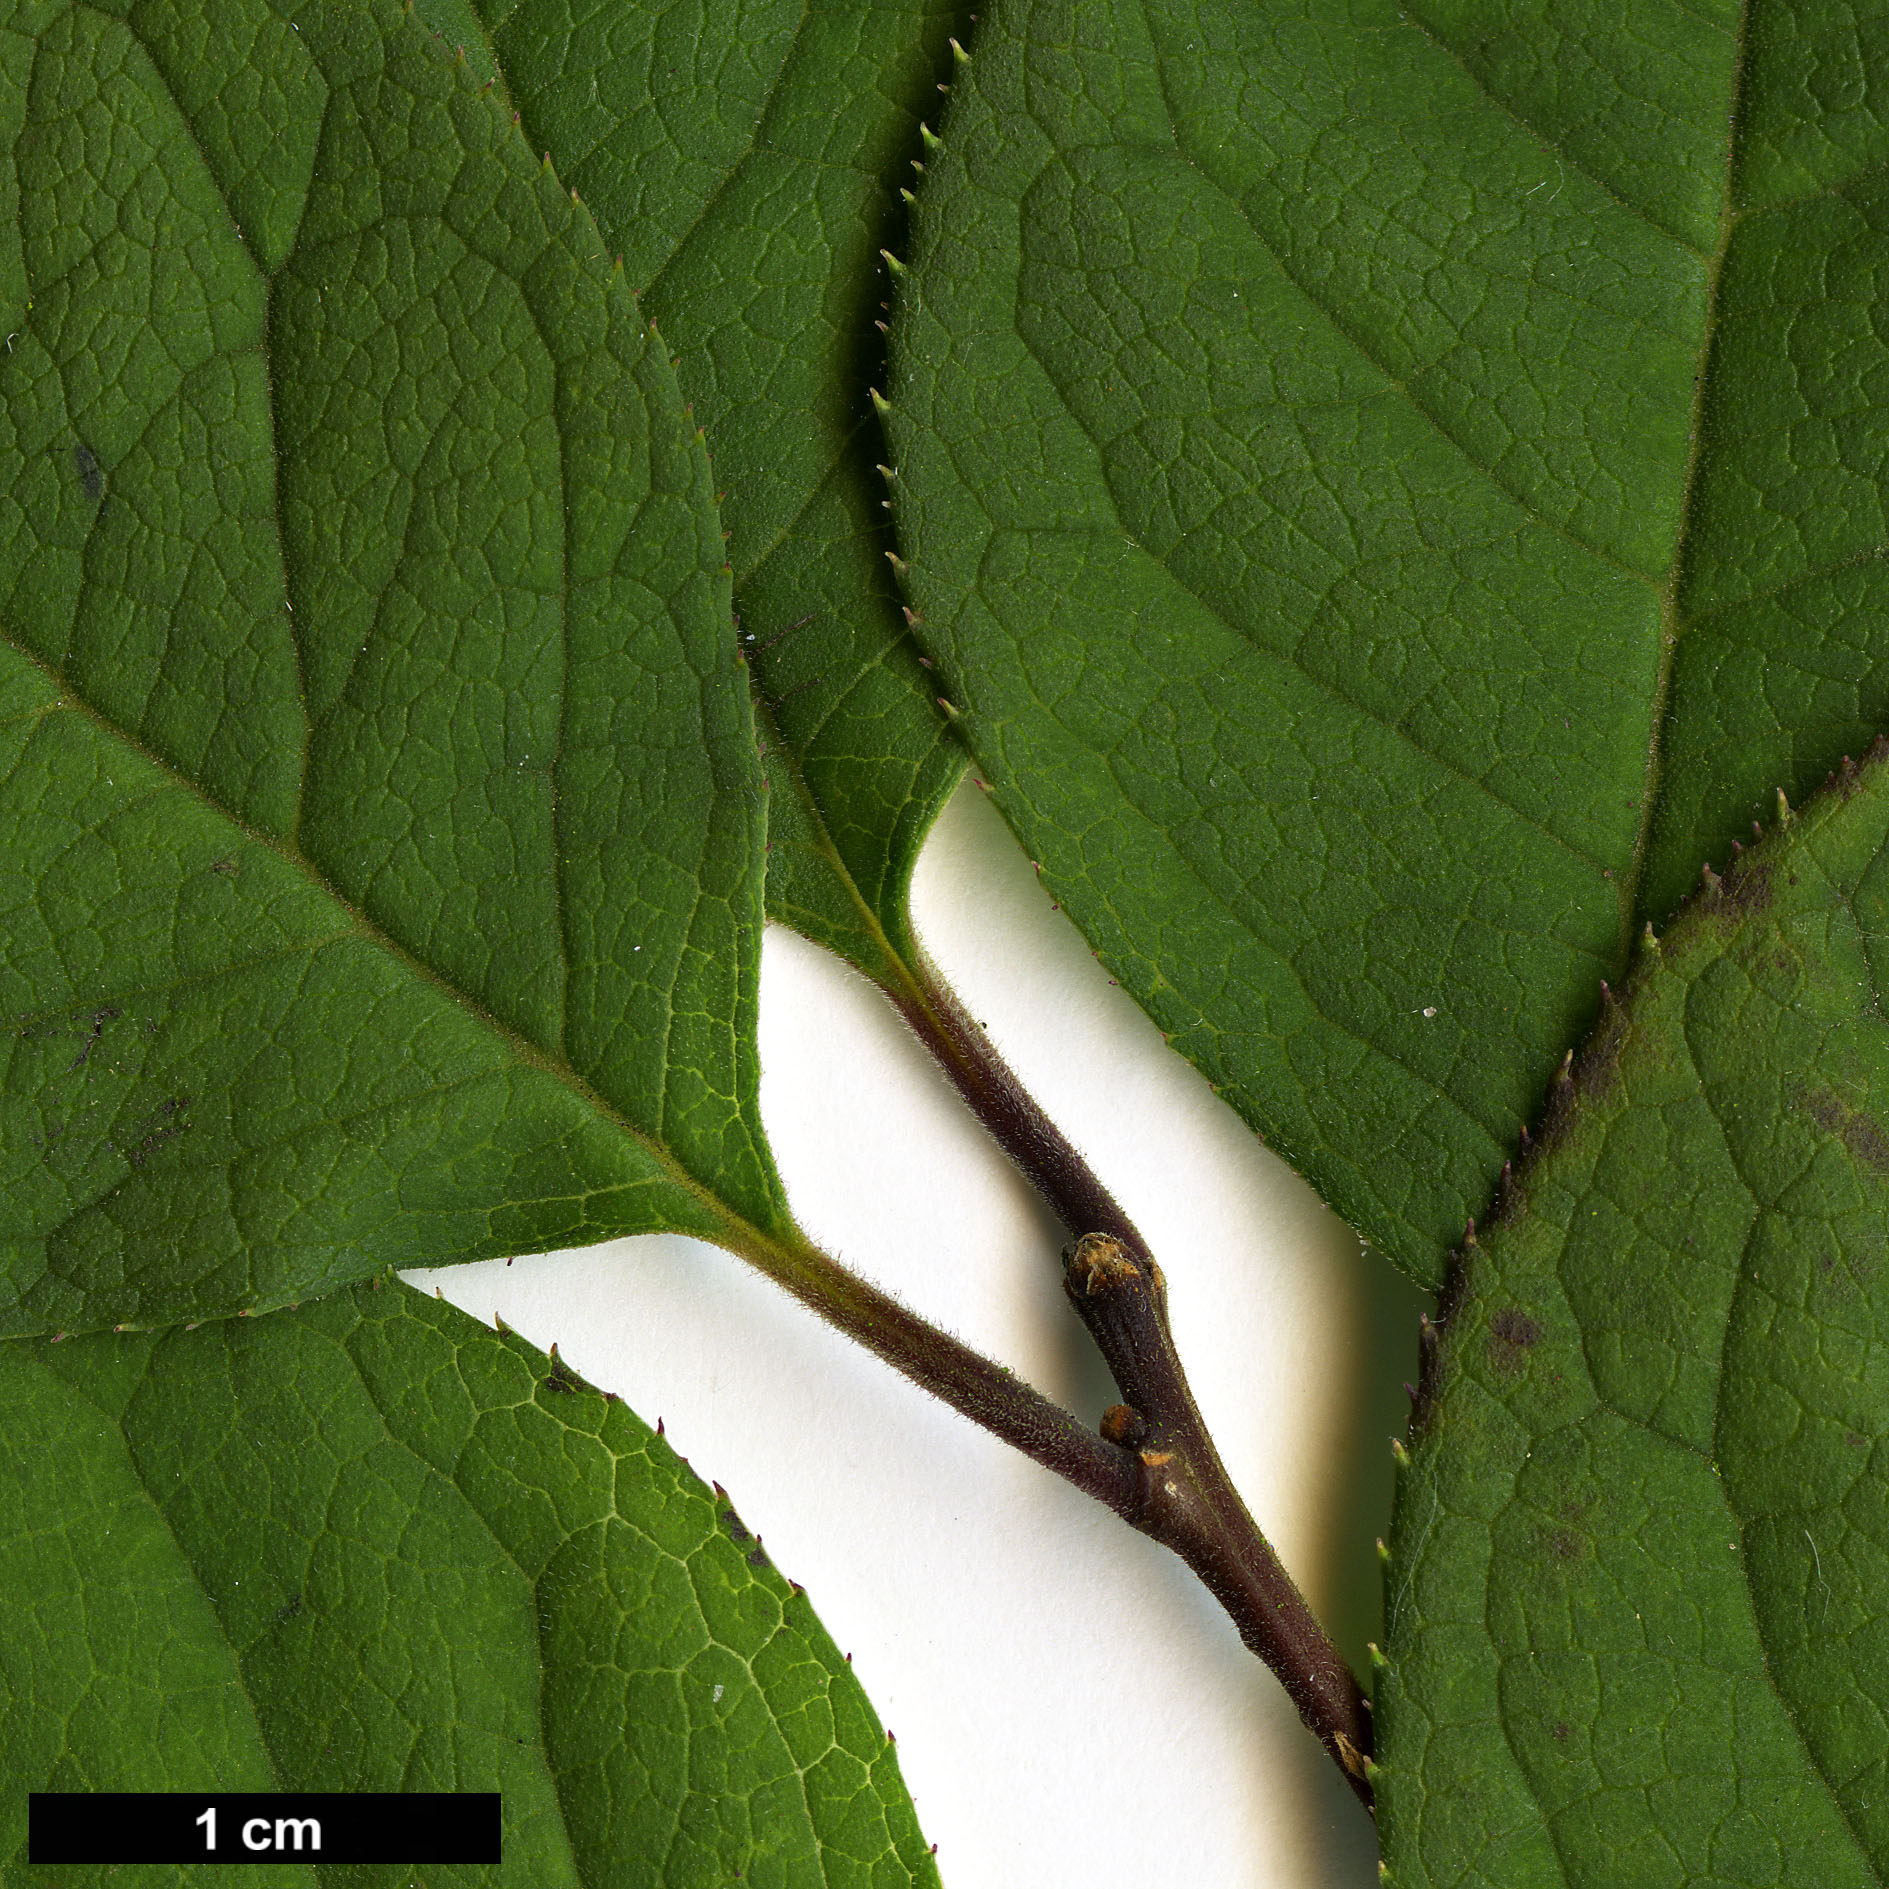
(1399, 1454)
(1379, 1664)
(899, 565)
(1784, 814)
(880, 404)
(1709, 881)
(907, 195)
(1383, 1552)
(892, 262)
(929, 138)
(959, 57)
(1649, 943)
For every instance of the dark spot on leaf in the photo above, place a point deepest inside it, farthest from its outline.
(757, 1558)
(101, 1020)
(1747, 888)
(1594, 1068)
(1514, 1327)
(736, 1528)
(563, 1379)
(1565, 1545)
(1858, 1133)
(91, 474)
(1856, 1442)
(1561, 1733)
(155, 1129)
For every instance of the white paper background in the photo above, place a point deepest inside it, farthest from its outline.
(1072, 1710)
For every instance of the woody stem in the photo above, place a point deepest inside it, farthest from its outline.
(1180, 1494)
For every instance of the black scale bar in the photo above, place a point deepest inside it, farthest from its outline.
(262, 1827)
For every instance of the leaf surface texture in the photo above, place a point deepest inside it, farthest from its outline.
(1636, 1630)
(372, 1545)
(1373, 479)
(381, 823)
(745, 160)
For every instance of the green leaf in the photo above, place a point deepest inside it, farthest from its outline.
(381, 824)
(1783, 662)
(1636, 1630)
(749, 180)
(371, 1545)
(1353, 600)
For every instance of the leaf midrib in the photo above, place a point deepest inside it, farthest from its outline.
(744, 1235)
(1670, 622)
(1666, 588)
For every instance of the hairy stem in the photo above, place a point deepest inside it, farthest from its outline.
(998, 1100)
(972, 1384)
(1181, 1493)
(1187, 1501)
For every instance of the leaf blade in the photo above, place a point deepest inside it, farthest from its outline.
(464, 817)
(1139, 429)
(750, 202)
(449, 1512)
(1635, 1561)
